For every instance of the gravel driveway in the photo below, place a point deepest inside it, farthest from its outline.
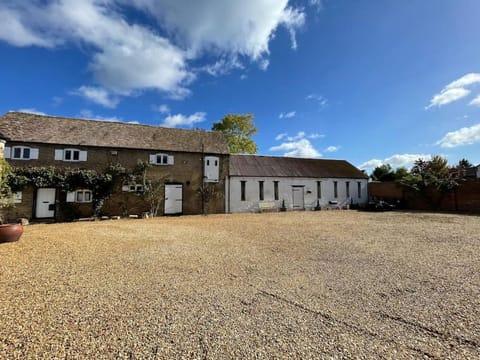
(330, 284)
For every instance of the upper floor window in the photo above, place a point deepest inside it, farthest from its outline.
(70, 155)
(161, 159)
(211, 171)
(21, 153)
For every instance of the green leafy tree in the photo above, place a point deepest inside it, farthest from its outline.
(400, 173)
(239, 130)
(432, 179)
(383, 173)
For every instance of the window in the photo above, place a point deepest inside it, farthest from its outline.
(80, 196)
(347, 188)
(260, 190)
(132, 188)
(319, 189)
(242, 190)
(161, 159)
(359, 189)
(17, 197)
(335, 189)
(211, 171)
(275, 190)
(21, 153)
(70, 155)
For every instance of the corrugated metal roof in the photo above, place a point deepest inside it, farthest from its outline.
(26, 127)
(275, 166)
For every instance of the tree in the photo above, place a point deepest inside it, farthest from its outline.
(464, 164)
(239, 130)
(153, 189)
(400, 173)
(431, 178)
(383, 173)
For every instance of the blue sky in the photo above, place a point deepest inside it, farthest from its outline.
(366, 81)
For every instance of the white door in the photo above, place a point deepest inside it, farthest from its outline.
(297, 192)
(45, 203)
(173, 199)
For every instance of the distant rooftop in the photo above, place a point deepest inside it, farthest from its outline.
(34, 128)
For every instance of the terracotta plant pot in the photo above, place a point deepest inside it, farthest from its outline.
(10, 232)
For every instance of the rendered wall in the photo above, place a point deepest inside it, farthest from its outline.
(235, 204)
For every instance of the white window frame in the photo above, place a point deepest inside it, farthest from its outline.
(74, 196)
(165, 159)
(61, 154)
(9, 153)
(137, 188)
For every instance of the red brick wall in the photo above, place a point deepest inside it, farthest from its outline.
(466, 198)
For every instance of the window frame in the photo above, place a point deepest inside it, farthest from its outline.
(347, 188)
(261, 190)
(22, 150)
(275, 190)
(335, 189)
(243, 190)
(83, 193)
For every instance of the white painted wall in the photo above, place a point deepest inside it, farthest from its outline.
(235, 204)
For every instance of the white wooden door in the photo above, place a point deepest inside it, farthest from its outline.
(298, 200)
(45, 207)
(173, 199)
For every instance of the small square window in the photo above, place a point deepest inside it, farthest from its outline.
(76, 155)
(80, 196)
(26, 153)
(68, 155)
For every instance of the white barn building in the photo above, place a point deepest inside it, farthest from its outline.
(261, 182)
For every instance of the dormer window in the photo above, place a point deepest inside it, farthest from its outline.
(21, 153)
(70, 155)
(161, 159)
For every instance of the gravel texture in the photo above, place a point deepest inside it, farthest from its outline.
(329, 284)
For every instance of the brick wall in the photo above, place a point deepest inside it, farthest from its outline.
(186, 170)
(466, 198)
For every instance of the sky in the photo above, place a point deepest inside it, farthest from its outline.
(370, 82)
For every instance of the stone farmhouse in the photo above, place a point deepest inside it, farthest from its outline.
(266, 182)
(194, 167)
(183, 159)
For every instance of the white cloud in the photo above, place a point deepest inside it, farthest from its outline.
(31, 111)
(235, 27)
(466, 80)
(300, 148)
(448, 96)
(454, 91)
(287, 115)
(127, 57)
(396, 160)
(296, 146)
(332, 149)
(97, 95)
(320, 99)
(223, 66)
(315, 136)
(475, 101)
(162, 109)
(463, 136)
(183, 120)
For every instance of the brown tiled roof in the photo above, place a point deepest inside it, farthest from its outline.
(275, 166)
(32, 128)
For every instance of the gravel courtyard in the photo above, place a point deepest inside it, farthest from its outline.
(339, 284)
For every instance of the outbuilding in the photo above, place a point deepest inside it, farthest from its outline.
(268, 182)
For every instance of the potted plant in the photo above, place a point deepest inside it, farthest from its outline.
(8, 232)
